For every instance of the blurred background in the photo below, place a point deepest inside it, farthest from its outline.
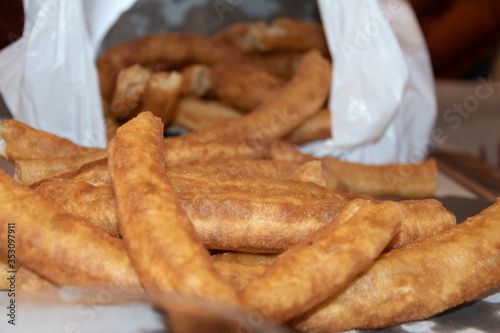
(463, 38)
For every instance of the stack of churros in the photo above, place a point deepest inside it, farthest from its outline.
(232, 213)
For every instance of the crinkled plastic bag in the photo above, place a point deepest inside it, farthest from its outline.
(382, 97)
(48, 78)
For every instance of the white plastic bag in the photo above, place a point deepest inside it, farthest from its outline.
(48, 79)
(382, 96)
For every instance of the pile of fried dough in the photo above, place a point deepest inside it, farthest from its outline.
(232, 213)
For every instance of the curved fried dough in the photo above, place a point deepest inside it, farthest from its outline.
(174, 49)
(243, 86)
(160, 240)
(283, 34)
(324, 262)
(299, 99)
(417, 281)
(57, 245)
(279, 64)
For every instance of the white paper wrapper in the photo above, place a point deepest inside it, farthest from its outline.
(382, 96)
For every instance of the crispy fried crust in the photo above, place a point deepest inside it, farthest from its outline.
(196, 80)
(301, 97)
(422, 219)
(58, 245)
(179, 151)
(237, 274)
(414, 181)
(279, 64)
(245, 258)
(161, 95)
(308, 172)
(282, 34)
(243, 86)
(225, 213)
(274, 215)
(129, 91)
(194, 113)
(417, 281)
(405, 181)
(324, 262)
(29, 171)
(317, 127)
(160, 240)
(20, 141)
(91, 199)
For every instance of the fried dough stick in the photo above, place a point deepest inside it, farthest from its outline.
(161, 95)
(174, 49)
(235, 274)
(416, 180)
(301, 97)
(317, 127)
(30, 171)
(194, 113)
(309, 171)
(196, 80)
(283, 34)
(323, 263)
(20, 141)
(244, 213)
(58, 245)
(179, 151)
(160, 240)
(279, 64)
(407, 180)
(245, 258)
(243, 86)
(270, 218)
(129, 91)
(417, 281)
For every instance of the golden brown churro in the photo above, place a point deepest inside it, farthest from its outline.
(417, 281)
(160, 240)
(324, 262)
